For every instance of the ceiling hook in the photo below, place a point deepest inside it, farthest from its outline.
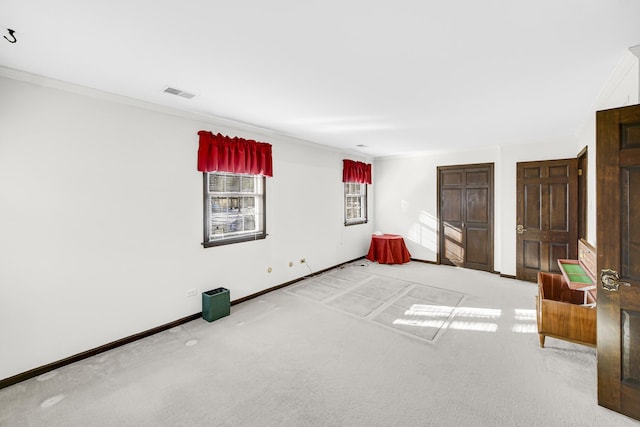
(11, 34)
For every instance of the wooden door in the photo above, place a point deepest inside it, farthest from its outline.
(547, 224)
(466, 216)
(618, 243)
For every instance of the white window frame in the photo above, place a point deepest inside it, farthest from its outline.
(351, 208)
(232, 213)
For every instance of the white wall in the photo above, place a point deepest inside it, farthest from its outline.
(620, 90)
(406, 194)
(101, 219)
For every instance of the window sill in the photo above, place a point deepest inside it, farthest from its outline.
(346, 224)
(232, 240)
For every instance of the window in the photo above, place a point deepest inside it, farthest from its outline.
(355, 203)
(234, 208)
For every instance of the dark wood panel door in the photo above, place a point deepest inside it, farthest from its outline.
(466, 216)
(618, 242)
(547, 224)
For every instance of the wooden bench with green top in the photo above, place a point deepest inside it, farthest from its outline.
(565, 306)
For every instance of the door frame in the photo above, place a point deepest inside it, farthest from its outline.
(583, 193)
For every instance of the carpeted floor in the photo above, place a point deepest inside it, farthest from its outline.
(364, 345)
(413, 308)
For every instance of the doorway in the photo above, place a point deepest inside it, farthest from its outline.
(465, 213)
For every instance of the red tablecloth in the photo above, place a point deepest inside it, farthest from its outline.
(388, 249)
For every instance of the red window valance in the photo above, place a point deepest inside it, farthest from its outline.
(220, 153)
(356, 172)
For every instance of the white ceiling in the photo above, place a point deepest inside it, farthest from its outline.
(397, 76)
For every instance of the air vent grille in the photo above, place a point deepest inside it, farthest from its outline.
(178, 92)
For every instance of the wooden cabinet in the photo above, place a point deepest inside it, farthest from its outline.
(568, 312)
(561, 313)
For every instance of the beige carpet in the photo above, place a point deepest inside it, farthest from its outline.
(413, 308)
(430, 346)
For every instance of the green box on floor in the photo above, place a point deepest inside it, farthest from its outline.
(216, 303)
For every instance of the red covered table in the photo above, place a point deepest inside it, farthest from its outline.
(388, 249)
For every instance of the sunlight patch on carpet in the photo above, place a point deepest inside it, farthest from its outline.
(526, 321)
(419, 310)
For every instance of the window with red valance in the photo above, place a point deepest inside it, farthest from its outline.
(356, 176)
(234, 171)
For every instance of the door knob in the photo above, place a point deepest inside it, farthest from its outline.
(611, 280)
(520, 229)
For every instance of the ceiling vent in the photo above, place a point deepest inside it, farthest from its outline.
(178, 92)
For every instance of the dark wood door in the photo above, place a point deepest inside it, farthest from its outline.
(618, 243)
(547, 224)
(466, 216)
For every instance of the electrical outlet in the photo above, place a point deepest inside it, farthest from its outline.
(302, 260)
(290, 263)
(191, 293)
